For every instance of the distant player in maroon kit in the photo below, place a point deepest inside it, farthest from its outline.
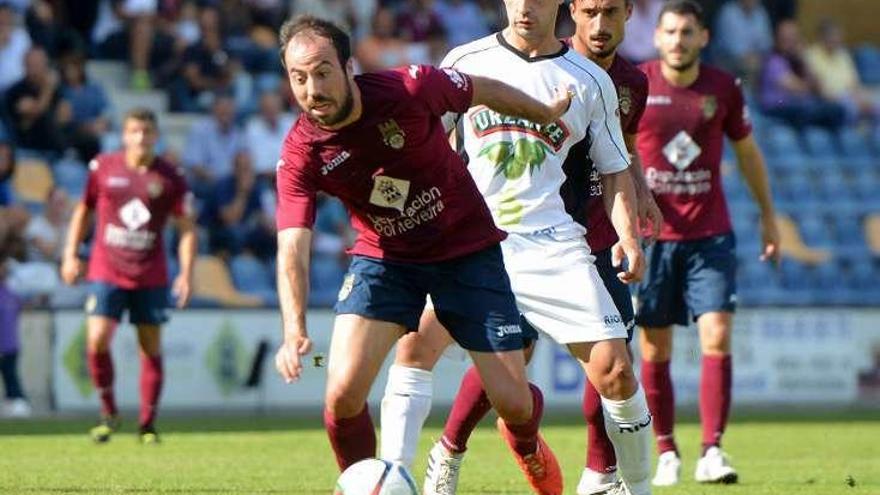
(376, 141)
(133, 192)
(691, 271)
(599, 29)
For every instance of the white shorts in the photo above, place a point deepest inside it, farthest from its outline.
(558, 288)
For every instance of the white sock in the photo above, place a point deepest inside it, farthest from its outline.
(628, 423)
(405, 407)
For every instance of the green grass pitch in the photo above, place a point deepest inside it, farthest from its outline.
(814, 454)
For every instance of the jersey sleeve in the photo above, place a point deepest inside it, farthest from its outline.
(640, 102)
(736, 123)
(182, 200)
(296, 192)
(608, 149)
(90, 195)
(440, 90)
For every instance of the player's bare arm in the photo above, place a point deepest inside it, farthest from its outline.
(619, 196)
(507, 100)
(71, 265)
(754, 171)
(187, 248)
(294, 246)
(648, 212)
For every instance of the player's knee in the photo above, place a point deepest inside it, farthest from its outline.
(515, 410)
(341, 404)
(617, 380)
(98, 345)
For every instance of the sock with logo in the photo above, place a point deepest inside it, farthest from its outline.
(661, 400)
(526, 434)
(101, 370)
(715, 397)
(628, 423)
(600, 450)
(152, 377)
(470, 406)
(353, 439)
(405, 407)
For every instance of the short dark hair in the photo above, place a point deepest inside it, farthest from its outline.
(684, 7)
(142, 114)
(318, 27)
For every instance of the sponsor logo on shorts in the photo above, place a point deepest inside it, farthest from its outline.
(345, 290)
(91, 303)
(612, 320)
(505, 330)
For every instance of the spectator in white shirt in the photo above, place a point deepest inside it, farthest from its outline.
(265, 132)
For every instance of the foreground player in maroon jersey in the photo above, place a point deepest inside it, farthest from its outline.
(691, 271)
(376, 141)
(133, 192)
(599, 28)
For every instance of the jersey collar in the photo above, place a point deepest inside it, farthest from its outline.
(503, 42)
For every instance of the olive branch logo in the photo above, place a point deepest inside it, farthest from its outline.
(512, 159)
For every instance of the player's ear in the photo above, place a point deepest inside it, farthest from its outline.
(349, 68)
(704, 37)
(629, 9)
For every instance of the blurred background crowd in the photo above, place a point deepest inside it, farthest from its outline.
(69, 69)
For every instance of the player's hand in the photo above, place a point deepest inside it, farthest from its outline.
(631, 251)
(649, 217)
(71, 269)
(770, 240)
(288, 360)
(559, 105)
(182, 290)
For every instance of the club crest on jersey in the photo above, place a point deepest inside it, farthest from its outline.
(154, 189)
(625, 99)
(709, 106)
(486, 121)
(389, 192)
(347, 285)
(392, 134)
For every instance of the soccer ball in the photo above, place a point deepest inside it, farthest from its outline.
(376, 477)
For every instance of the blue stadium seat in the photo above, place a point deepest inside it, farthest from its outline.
(252, 277)
(781, 141)
(70, 175)
(814, 230)
(820, 143)
(326, 274)
(854, 143)
(867, 58)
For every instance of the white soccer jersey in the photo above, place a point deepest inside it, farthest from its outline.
(536, 178)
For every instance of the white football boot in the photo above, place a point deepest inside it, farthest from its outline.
(441, 477)
(668, 469)
(596, 483)
(714, 467)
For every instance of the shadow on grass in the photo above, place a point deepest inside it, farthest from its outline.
(150, 490)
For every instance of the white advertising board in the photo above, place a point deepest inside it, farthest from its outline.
(820, 356)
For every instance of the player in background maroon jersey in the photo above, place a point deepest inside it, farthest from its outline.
(691, 268)
(133, 193)
(377, 142)
(600, 27)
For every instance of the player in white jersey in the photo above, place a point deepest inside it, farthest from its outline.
(534, 179)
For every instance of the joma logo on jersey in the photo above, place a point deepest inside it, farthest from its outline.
(486, 121)
(335, 162)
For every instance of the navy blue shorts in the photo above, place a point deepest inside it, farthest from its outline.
(688, 278)
(619, 291)
(471, 295)
(145, 306)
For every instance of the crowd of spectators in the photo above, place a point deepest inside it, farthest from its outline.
(218, 59)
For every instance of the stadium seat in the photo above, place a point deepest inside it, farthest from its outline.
(252, 277)
(867, 58)
(781, 140)
(820, 143)
(70, 175)
(872, 233)
(793, 246)
(32, 181)
(212, 281)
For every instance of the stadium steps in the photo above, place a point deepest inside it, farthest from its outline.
(872, 233)
(32, 181)
(793, 246)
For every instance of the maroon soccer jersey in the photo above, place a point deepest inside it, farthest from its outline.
(680, 142)
(632, 91)
(409, 194)
(132, 208)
